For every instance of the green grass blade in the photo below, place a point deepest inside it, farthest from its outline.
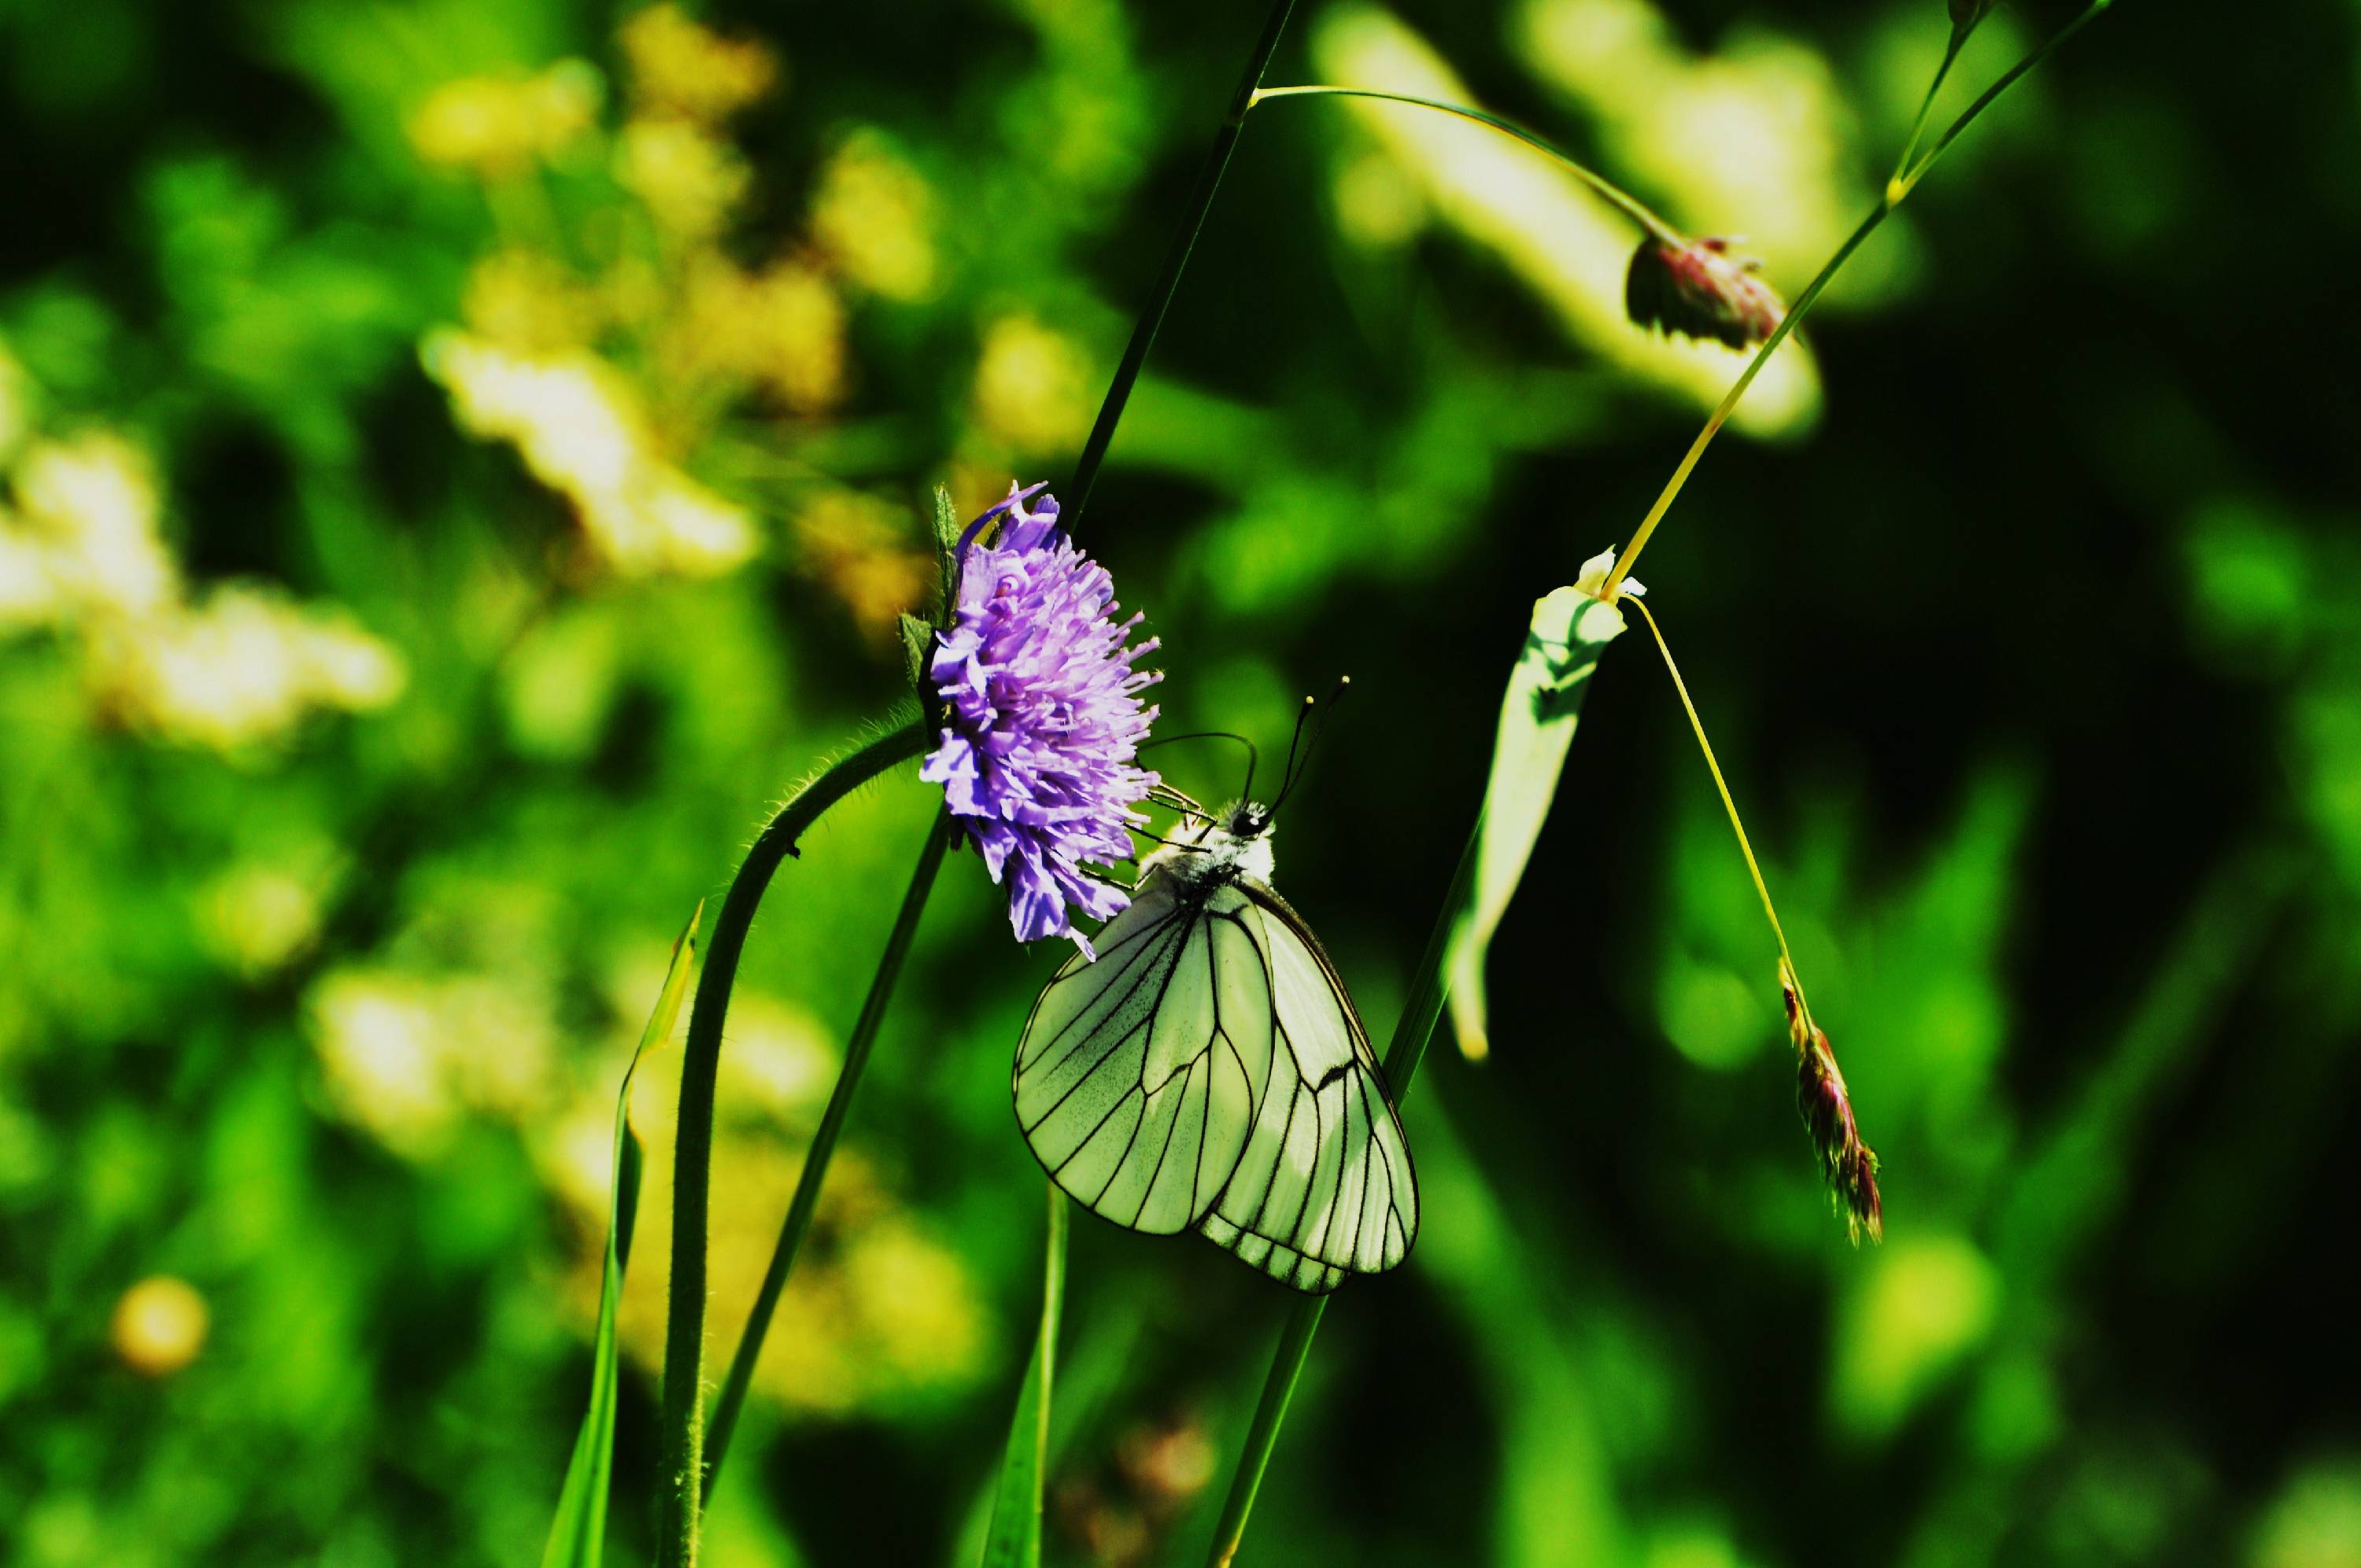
(577, 1535)
(1569, 630)
(1014, 1540)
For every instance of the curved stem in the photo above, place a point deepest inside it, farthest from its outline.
(1176, 258)
(1894, 191)
(1412, 1030)
(678, 1459)
(1697, 728)
(1722, 411)
(1927, 105)
(1622, 201)
(2008, 79)
(939, 834)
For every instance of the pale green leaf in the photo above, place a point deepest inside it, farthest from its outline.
(1014, 1540)
(1569, 630)
(577, 1535)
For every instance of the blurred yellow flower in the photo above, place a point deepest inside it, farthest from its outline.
(160, 1325)
(861, 546)
(1032, 387)
(877, 1310)
(678, 67)
(92, 500)
(578, 425)
(28, 594)
(782, 329)
(525, 299)
(244, 667)
(84, 552)
(407, 1055)
(782, 1060)
(492, 126)
(260, 917)
(571, 416)
(874, 217)
(921, 1310)
(675, 525)
(689, 180)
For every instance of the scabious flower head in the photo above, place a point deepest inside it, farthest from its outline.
(1043, 719)
(1700, 289)
(1820, 1095)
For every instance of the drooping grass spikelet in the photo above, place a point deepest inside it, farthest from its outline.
(1826, 1107)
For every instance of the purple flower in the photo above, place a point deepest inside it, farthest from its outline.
(1045, 721)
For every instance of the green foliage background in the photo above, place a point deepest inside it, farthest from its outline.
(356, 772)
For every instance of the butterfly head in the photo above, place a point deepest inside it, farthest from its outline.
(1222, 846)
(1234, 842)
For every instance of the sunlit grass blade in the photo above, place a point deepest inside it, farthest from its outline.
(577, 1535)
(1014, 1538)
(1569, 631)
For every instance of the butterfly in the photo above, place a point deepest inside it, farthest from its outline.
(1209, 1071)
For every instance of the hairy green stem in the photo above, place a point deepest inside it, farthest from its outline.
(679, 1463)
(1412, 1032)
(1176, 260)
(726, 1409)
(1894, 191)
(1615, 196)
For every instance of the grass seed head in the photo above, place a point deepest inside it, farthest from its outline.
(1826, 1106)
(1700, 289)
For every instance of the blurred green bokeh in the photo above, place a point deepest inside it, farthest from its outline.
(460, 461)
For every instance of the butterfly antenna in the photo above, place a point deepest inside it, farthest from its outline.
(1253, 756)
(1302, 747)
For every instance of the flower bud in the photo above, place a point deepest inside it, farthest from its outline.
(1850, 1165)
(1700, 289)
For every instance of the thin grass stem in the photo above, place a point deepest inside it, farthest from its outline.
(1721, 787)
(1412, 1030)
(2008, 79)
(1960, 32)
(1894, 192)
(1176, 260)
(726, 1409)
(1622, 201)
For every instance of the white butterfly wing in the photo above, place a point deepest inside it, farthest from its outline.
(1138, 1075)
(1209, 1071)
(1324, 1187)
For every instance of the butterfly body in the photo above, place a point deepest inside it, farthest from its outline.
(1210, 1073)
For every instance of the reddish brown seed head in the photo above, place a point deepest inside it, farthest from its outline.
(1700, 289)
(1850, 1163)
